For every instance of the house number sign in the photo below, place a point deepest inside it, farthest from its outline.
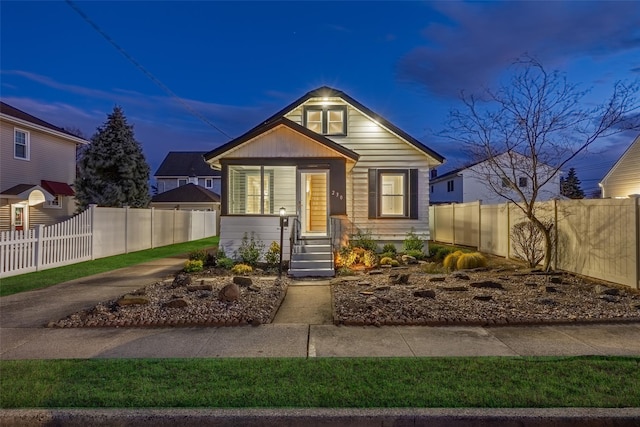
(337, 194)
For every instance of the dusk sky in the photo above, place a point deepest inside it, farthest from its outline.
(237, 63)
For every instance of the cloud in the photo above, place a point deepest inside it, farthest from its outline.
(481, 39)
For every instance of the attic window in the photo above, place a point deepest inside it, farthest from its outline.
(326, 120)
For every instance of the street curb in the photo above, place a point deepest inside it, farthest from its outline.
(321, 417)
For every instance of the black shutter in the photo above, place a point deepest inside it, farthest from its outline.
(413, 193)
(373, 193)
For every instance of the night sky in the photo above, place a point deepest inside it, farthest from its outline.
(233, 64)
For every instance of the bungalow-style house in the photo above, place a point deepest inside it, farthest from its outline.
(37, 170)
(186, 167)
(187, 197)
(333, 167)
(623, 179)
(473, 182)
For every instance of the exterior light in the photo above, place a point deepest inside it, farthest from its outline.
(283, 212)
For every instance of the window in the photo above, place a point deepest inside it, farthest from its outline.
(449, 186)
(393, 193)
(522, 182)
(252, 189)
(432, 188)
(182, 181)
(56, 203)
(326, 120)
(208, 183)
(21, 144)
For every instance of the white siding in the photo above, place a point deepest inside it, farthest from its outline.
(265, 228)
(440, 193)
(624, 178)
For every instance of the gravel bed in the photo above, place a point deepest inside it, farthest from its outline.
(257, 304)
(491, 297)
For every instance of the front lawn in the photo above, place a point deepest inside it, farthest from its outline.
(488, 382)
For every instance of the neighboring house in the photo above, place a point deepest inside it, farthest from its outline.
(336, 168)
(469, 184)
(185, 167)
(187, 197)
(38, 168)
(623, 179)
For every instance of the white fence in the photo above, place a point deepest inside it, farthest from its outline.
(596, 238)
(98, 233)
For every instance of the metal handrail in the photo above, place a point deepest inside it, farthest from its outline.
(295, 236)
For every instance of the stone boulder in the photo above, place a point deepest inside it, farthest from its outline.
(408, 259)
(176, 303)
(181, 280)
(242, 281)
(130, 299)
(229, 293)
(425, 293)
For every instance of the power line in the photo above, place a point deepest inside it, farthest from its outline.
(146, 72)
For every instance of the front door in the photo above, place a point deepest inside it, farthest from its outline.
(19, 217)
(313, 203)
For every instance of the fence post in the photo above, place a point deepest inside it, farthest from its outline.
(479, 224)
(453, 223)
(555, 234)
(508, 233)
(39, 245)
(636, 204)
(92, 222)
(153, 217)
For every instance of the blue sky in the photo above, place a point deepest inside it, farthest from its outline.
(236, 63)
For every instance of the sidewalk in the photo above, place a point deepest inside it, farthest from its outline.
(310, 334)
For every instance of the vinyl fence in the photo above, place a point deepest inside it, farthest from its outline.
(98, 233)
(597, 238)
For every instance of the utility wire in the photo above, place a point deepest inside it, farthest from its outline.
(146, 72)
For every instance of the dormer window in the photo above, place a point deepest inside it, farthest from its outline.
(326, 119)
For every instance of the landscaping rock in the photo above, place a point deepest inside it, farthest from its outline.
(609, 298)
(375, 272)
(200, 287)
(487, 284)
(437, 279)
(254, 288)
(242, 281)
(555, 279)
(399, 278)
(130, 299)
(181, 280)
(382, 288)
(460, 276)
(453, 288)
(546, 301)
(229, 293)
(425, 293)
(604, 290)
(483, 297)
(408, 259)
(550, 289)
(531, 284)
(176, 303)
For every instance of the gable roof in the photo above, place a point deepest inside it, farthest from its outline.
(281, 121)
(190, 193)
(185, 163)
(621, 159)
(11, 111)
(326, 91)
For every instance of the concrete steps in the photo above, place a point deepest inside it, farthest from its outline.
(312, 258)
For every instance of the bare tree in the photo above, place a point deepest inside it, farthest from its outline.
(531, 128)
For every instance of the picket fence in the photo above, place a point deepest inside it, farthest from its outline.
(98, 233)
(598, 238)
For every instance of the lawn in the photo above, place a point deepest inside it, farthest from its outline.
(42, 279)
(487, 382)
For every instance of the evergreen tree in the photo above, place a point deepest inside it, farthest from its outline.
(570, 186)
(113, 170)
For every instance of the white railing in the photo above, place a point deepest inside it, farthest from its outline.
(597, 238)
(97, 233)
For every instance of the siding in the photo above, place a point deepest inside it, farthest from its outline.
(380, 149)
(624, 178)
(265, 228)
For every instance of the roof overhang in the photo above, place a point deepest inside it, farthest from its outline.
(57, 188)
(31, 194)
(213, 157)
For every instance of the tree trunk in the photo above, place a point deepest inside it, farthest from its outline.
(548, 243)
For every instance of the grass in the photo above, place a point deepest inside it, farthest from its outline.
(586, 381)
(44, 278)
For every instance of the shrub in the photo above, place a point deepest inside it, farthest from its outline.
(241, 269)
(363, 239)
(198, 255)
(345, 271)
(528, 241)
(388, 255)
(389, 248)
(386, 260)
(370, 259)
(451, 261)
(250, 250)
(417, 254)
(471, 260)
(193, 266)
(225, 263)
(273, 255)
(395, 263)
(413, 242)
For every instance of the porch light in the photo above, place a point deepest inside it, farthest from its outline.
(283, 212)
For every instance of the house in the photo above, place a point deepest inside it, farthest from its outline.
(333, 167)
(623, 179)
(38, 169)
(187, 197)
(184, 167)
(478, 182)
